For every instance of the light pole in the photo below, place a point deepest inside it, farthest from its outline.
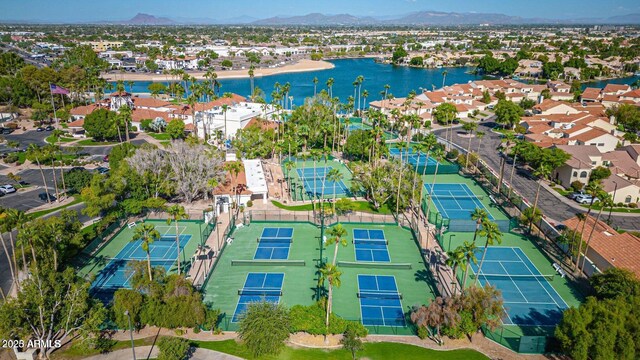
(613, 200)
(133, 349)
(450, 236)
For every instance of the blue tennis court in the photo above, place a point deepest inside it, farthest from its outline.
(162, 253)
(315, 182)
(274, 244)
(413, 156)
(370, 245)
(454, 201)
(258, 287)
(380, 301)
(529, 298)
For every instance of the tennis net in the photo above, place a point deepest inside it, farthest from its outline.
(457, 197)
(373, 265)
(275, 240)
(259, 292)
(154, 262)
(489, 277)
(268, 263)
(379, 295)
(370, 242)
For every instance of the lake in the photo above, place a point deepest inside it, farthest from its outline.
(402, 80)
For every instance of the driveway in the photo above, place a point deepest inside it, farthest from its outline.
(523, 182)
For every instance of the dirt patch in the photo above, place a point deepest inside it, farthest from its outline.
(315, 341)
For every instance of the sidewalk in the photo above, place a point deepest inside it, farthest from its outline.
(148, 352)
(577, 206)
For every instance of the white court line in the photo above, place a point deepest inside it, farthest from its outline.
(545, 289)
(514, 283)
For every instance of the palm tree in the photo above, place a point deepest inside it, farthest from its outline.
(337, 234)
(225, 108)
(455, 258)
(541, 173)
(492, 233)
(16, 219)
(437, 155)
(605, 201)
(251, 75)
(177, 213)
(315, 85)
(581, 217)
(334, 176)
(124, 117)
(365, 95)
(34, 152)
(359, 80)
(470, 128)
(53, 151)
(5, 225)
(444, 77)
(330, 273)
(289, 165)
(330, 83)
(469, 250)
(593, 188)
(479, 135)
(479, 215)
(146, 233)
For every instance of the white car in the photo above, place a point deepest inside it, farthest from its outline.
(586, 199)
(7, 189)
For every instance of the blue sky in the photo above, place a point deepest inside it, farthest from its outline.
(91, 10)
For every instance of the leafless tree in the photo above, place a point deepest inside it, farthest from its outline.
(152, 164)
(192, 168)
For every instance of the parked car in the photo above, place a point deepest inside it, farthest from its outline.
(43, 196)
(574, 195)
(7, 131)
(49, 128)
(102, 170)
(586, 199)
(39, 129)
(7, 189)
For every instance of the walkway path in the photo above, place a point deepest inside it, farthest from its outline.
(147, 352)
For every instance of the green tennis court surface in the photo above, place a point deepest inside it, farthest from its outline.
(299, 274)
(109, 264)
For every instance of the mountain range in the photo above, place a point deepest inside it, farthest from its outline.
(424, 18)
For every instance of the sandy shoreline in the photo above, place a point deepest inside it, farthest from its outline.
(301, 66)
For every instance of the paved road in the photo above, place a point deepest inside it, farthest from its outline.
(524, 183)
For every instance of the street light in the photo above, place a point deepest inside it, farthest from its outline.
(133, 349)
(613, 200)
(450, 236)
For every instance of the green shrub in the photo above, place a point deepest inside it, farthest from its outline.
(577, 185)
(11, 158)
(172, 348)
(463, 327)
(311, 319)
(452, 154)
(422, 332)
(250, 203)
(633, 205)
(179, 332)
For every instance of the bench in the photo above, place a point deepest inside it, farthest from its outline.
(131, 225)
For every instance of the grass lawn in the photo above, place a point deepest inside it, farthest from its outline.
(37, 214)
(363, 206)
(372, 351)
(52, 139)
(91, 142)
(159, 136)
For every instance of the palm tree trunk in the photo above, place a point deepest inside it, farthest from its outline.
(484, 253)
(433, 183)
(178, 245)
(55, 181)
(584, 224)
(466, 273)
(586, 249)
(149, 266)
(44, 180)
(126, 130)
(6, 252)
(513, 168)
(329, 299)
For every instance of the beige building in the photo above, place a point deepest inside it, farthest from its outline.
(100, 46)
(583, 159)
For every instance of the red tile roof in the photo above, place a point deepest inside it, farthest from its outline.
(620, 250)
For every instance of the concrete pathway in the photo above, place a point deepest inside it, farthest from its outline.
(148, 352)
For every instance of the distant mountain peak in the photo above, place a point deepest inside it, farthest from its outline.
(146, 19)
